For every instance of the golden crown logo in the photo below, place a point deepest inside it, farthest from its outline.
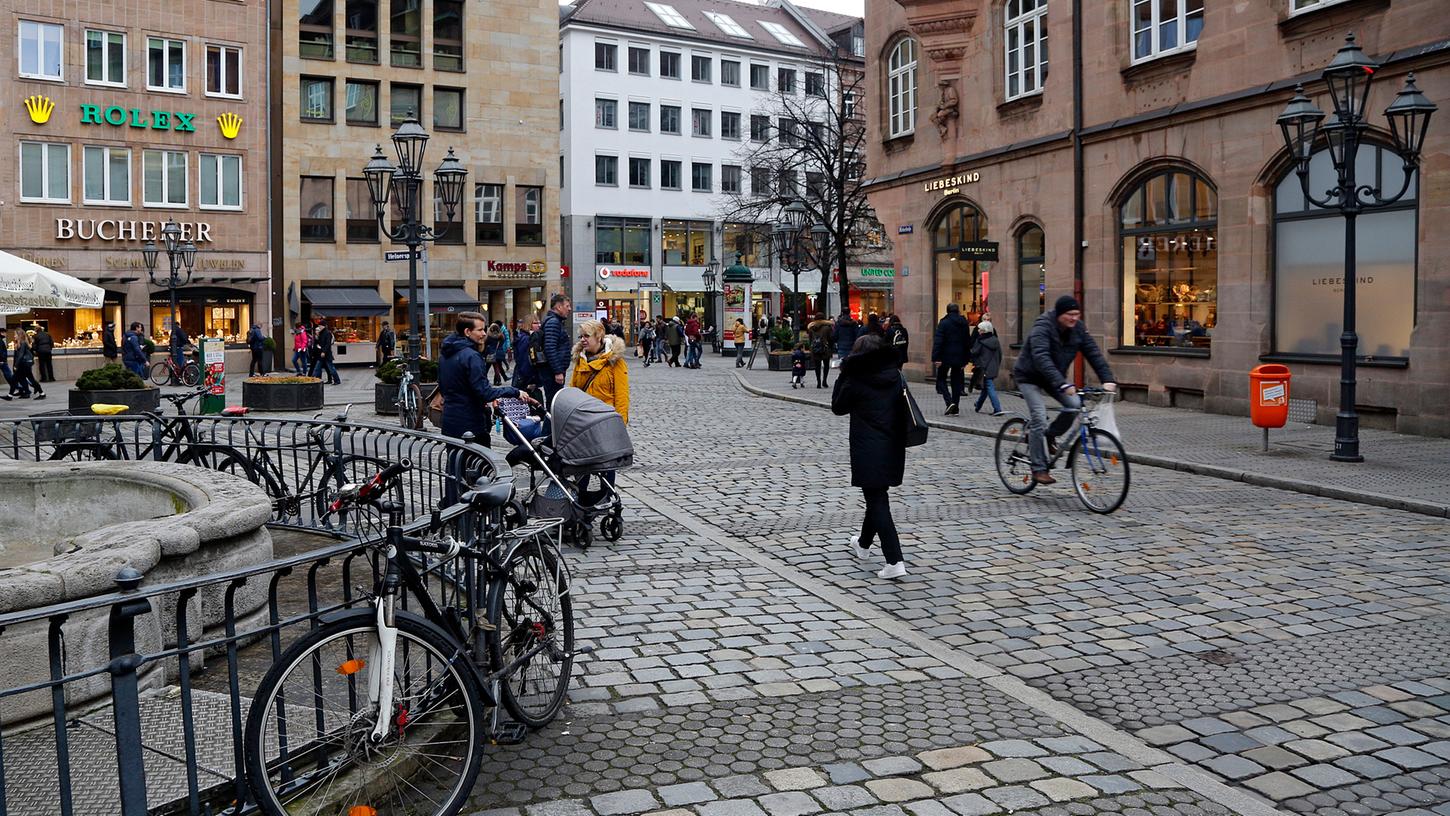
(231, 124)
(39, 108)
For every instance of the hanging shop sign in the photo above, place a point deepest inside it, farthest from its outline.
(951, 185)
(88, 229)
(977, 251)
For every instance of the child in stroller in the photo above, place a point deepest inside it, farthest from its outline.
(570, 454)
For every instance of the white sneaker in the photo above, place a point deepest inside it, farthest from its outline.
(861, 553)
(896, 570)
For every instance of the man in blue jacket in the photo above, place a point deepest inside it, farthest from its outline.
(463, 379)
(557, 348)
(1041, 370)
(133, 353)
(524, 376)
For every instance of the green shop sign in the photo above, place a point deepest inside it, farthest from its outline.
(155, 120)
(878, 272)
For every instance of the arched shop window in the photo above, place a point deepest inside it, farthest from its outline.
(1168, 226)
(1032, 275)
(959, 278)
(1309, 262)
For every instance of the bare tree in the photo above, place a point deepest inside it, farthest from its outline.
(819, 135)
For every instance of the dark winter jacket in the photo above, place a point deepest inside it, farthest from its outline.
(868, 388)
(108, 343)
(494, 350)
(1049, 351)
(898, 340)
(256, 341)
(987, 355)
(556, 346)
(44, 343)
(674, 335)
(324, 342)
(24, 357)
(133, 351)
(523, 369)
(847, 330)
(951, 344)
(825, 332)
(387, 341)
(463, 379)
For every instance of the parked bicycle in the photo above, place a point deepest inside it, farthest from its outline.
(1095, 458)
(410, 402)
(167, 372)
(386, 710)
(175, 440)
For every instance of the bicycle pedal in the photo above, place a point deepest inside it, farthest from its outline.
(509, 733)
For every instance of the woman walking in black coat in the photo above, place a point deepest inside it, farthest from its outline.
(869, 390)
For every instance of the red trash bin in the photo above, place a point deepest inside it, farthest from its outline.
(1269, 395)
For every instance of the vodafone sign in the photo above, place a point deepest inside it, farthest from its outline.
(607, 272)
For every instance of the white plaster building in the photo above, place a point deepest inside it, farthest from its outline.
(656, 101)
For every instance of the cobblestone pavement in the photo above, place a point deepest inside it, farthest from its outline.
(1213, 647)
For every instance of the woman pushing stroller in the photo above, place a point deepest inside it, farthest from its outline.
(600, 370)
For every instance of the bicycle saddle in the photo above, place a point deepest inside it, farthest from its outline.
(107, 409)
(488, 493)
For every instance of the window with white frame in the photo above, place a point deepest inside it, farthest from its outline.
(1026, 42)
(40, 50)
(727, 24)
(45, 172)
(223, 71)
(106, 173)
(1308, 5)
(165, 64)
(901, 89)
(221, 182)
(606, 113)
(163, 177)
(669, 16)
(106, 58)
(1165, 26)
(782, 33)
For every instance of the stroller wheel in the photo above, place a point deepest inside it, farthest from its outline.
(580, 533)
(611, 527)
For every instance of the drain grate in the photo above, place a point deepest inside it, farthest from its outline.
(1303, 410)
(1218, 657)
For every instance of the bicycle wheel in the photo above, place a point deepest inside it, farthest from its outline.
(366, 522)
(82, 452)
(534, 635)
(160, 373)
(410, 411)
(1099, 471)
(1014, 464)
(190, 374)
(220, 459)
(308, 746)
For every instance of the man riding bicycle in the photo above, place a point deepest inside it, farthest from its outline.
(1041, 369)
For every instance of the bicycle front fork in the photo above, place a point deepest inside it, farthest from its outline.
(383, 658)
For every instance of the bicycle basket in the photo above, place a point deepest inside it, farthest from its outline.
(65, 428)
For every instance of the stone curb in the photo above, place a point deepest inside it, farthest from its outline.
(1211, 471)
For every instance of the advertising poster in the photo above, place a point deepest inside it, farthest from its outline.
(214, 374)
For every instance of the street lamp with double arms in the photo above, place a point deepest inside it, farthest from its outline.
(710, 276)
(403, 183)
(1348, 77)
(180, 257)
(794, 246)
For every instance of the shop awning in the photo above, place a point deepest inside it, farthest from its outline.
(764, 286)
(684, 279)
(345, 301)
(886, 284)
(450, 299)
(25, 285)
(810, 281)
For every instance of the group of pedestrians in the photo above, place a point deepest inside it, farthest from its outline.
(872, 390)
(21, 381)
(314, 350)
(662, 339)
(545, 361)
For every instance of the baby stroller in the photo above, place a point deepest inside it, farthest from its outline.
(586, 439)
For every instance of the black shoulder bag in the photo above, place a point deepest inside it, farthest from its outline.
(916, 426)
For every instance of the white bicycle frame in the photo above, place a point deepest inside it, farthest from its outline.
(382, 657)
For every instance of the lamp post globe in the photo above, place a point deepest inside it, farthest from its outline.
(379, 174)
(410, 141)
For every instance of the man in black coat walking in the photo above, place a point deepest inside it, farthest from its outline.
(868, 388)
(44, 346)
(897, 338)
(257, 343)
(950, 350)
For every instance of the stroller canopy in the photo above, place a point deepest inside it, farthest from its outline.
(588, 434)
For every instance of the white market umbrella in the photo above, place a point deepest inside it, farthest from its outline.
(25, 286)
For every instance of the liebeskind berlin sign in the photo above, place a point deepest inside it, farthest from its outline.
(950, 184)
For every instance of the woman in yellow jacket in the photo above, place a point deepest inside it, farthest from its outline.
(599, 367)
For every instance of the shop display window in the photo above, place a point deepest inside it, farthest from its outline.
(960, 280)
(73, 328)
(1170, 262)
(686, 243)
(355, 329)
(212, 313)
(747, 239)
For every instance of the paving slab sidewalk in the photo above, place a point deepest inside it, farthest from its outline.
(1400, 471)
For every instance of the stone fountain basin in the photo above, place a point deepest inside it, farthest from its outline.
(70, 527)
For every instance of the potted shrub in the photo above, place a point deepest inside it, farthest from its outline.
(113, 383)
(385, 390)
(282, 393)
(782, 343)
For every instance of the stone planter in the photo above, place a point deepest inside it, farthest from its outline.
(780, 361)
(260, 395)
(138, 400)
(385, 398)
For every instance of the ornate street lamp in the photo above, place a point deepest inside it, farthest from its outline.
(1348, 78)
(403, 185)
(180, 257)
(798, 247)
(711, 276)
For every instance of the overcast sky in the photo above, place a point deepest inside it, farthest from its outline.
(855, 8)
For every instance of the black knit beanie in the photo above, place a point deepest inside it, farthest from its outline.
(1066, 303)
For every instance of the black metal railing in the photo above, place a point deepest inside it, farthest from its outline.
(136, 706)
